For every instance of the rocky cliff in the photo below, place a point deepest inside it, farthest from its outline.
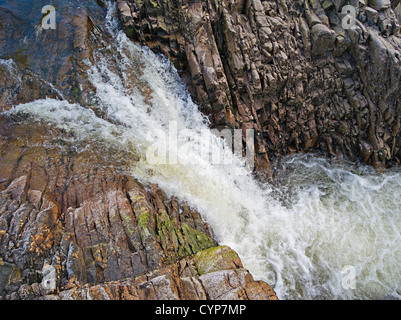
(288, 69)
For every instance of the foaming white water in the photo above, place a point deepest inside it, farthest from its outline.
(297, 236)
(11, 68)
(335, 217)
(9, 64)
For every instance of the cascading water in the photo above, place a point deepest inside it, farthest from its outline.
(304, 236)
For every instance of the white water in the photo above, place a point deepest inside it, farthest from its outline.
(296, 236)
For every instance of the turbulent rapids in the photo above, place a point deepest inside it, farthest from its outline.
(323, 230)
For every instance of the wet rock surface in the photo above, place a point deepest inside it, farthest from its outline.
(47, 62)
(288, 69)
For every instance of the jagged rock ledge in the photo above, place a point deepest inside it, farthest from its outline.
(212, 274)
(73, 226)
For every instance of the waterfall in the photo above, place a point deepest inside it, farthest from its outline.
(322, 231)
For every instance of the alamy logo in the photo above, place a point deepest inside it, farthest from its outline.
(172, 147)
(350, 16)
(49, 278)
(49, 17)
(349, 276)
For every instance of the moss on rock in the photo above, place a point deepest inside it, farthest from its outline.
(216, 259)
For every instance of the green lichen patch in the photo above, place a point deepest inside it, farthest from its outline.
(143, 223)
(179, 240)
(195, 240)
(217, 259)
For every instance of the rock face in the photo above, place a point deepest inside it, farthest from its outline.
(223, 279)
(101, 233)
(46, 63)
(75, 224)
(288, 69)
